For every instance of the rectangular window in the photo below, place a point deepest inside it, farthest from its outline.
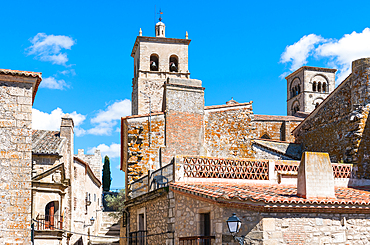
(74, 203)
(205, 224)
(75, 172)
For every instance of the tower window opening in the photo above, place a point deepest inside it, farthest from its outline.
(299, 89)
(295, 109)
(319, 87)
(324, 87)
(317, 104)
(174, 63)
(314, 87)
(154, 63)
(265, 136)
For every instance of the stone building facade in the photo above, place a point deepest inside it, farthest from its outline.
(18, 90)
(189, 166)
(66, 188)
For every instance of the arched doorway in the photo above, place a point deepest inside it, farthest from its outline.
(51, 217)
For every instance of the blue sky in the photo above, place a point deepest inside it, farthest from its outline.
(239, 49)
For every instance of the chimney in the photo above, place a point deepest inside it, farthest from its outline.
(315, 176)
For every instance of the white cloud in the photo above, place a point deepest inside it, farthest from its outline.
(52, 83)
(107, 119)
(44, 120)
(337, 54)
(342, 52)
(298, 53)
(49, 47)
(112, 151)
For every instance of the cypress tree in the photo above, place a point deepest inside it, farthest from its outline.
(106, 174)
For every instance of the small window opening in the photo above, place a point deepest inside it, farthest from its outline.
(319, 87)
(295, 109)
(317, 104)
(314, 87)
(141, 222)
(324, 87)
(299, 89)
(265, 136)
(205, 224)
(173, 64)
(154, 63)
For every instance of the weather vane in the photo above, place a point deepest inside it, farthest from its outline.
(160, 16)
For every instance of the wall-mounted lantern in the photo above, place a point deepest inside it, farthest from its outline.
(234, 224)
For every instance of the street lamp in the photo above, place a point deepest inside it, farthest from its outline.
(92, 220)
(234, 224)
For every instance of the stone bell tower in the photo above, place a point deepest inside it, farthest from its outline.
(156, 59)
(307, 87)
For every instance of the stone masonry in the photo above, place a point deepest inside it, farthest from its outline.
(339, 125)
(17, 90)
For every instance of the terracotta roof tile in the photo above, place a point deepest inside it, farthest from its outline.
(270, 194)
(47, 142)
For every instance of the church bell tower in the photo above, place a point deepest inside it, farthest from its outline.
(156, 59)
(307, 87)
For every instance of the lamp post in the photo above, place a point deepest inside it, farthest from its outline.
(234, 224)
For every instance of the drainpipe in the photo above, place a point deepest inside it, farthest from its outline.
(127, 224)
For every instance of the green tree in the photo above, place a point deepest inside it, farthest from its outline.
(106, 174)
(116, 202)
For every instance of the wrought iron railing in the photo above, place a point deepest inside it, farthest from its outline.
(227, 168)
(49, 222)
(154, 180)
(196, 240)
(137, 238)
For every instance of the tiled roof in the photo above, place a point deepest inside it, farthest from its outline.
(270, 194)
(291, 150)
(47, 142)
(276, 118)
(227, 105)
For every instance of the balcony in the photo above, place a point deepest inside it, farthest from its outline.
(49, 222)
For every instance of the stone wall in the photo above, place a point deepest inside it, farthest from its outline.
(86, 202)
(339, 125)
(159, 217)
(136, 152)
(94, 160)
(270, 228)
(16, 98)
(228, 131)
(275, 127)
(184, 106)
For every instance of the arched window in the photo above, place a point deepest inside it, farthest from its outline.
(317, 104)
(314, 87)
(299, 89)
(174, 63)
(154, 62)
(319, 87)
(295, 108)
(324, 87)
(265, 136)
